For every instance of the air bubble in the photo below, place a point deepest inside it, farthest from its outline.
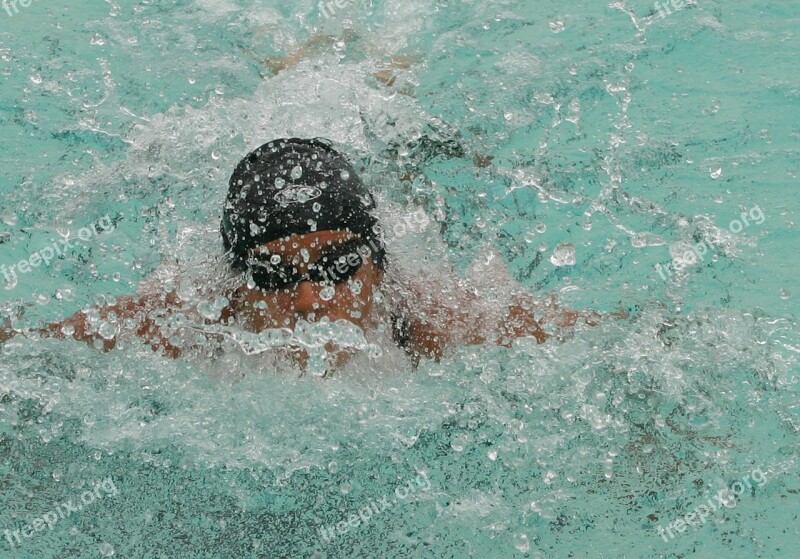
(275, 259)
(716, 174)
(279, 182)
(297, 172)
(345, 175)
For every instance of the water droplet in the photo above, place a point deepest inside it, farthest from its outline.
(9, 217)
(563, 255)
(106, 549)
(639, 240)
(107, 331)
(716, 174)
(355, 287)
(333, 467)
(541, 227)
(574, 115)
(492, 454)
(521, 543)
(327, 293)
(785, 294)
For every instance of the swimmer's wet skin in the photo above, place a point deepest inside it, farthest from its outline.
(298, 223)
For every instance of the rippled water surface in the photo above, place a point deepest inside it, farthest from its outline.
(585, 143)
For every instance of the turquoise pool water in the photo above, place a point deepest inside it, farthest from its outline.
(621, 139)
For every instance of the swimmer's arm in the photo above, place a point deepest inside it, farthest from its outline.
(144, 310)
(465, 322)
(314, 46)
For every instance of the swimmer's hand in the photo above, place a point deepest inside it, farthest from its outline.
(386, 74)
(145, 312)
(519, 323)
(563, 318)
(464, 320)
(6, 332)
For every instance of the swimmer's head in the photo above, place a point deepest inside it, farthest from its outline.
(293, 187)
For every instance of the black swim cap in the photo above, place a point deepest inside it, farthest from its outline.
(295, 186)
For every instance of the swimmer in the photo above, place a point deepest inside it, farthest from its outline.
(299, 231)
